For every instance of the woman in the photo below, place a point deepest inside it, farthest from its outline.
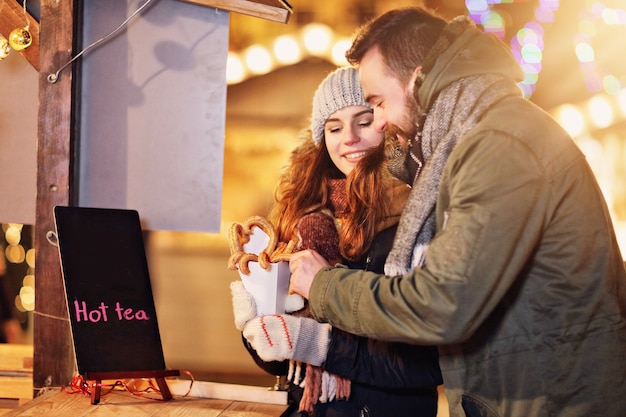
(338, 197)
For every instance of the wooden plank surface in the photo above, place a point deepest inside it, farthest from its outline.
(56, 403)
(274, 10)
(237, 392)
(16, 358)
(16, 375)
(16, 387)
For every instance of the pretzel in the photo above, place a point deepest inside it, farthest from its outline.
(274, 251)
(283, 251)
(237, 237)
(244, 260)
(265, 225)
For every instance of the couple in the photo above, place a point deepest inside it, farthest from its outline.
(504, 256)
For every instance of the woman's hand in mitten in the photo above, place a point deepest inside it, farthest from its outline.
(282, 337)
(294, 302)
(244, 307)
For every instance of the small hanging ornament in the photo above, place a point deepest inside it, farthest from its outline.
(5, 49)
(20, 38)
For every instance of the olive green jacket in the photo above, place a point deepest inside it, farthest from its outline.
(524, 287)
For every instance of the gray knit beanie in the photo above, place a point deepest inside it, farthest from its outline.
(339, 89)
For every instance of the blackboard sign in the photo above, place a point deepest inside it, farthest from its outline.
(107, 285)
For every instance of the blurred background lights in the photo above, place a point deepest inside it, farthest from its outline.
(600, 111)
(597, 18)
(527, 46)
(545, 12)
(258, 59)
(610, 16)
(25, 300)
(15, 254)
(571, 118)
(235, 70)
(531, 53)
(338, 52)
(13, 233)
(317, 38)
(16, 236)
(287, 50)
(611, 84)
(493, 23)
(584, 52)
(27, 295)
(30, 258)
(476, 8)
(621, 101)
(532, 34)
(5, 48)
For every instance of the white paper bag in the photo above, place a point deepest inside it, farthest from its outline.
(269, 288)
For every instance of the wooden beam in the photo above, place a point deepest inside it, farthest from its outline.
(54, 354)
(274, 10)
(12, 17)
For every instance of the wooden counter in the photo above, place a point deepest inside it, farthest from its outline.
(16, 375)
(57, 403)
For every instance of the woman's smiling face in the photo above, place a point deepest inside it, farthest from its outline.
(349, 134)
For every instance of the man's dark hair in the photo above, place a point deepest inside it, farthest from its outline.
(404, 37)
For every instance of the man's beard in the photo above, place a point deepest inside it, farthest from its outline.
(402, 165)
(407, 131)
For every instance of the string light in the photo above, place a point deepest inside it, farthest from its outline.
(20, 38)
(5, 48)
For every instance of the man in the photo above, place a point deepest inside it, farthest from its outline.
(505, 255)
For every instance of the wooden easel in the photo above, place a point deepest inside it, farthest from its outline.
(159, 376)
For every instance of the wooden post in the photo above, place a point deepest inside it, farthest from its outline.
(53, 352)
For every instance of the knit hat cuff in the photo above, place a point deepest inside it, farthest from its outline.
(339, 89)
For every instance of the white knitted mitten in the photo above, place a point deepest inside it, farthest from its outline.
(294, 302)
(282, 337)
(244, 307)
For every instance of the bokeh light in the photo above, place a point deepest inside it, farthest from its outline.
(527, 45)
(258, 59)
(317, 38)
(287, 50)
(597, 17)
(571, 118)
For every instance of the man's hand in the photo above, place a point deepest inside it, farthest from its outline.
(304, 265)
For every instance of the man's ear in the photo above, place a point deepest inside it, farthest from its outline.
(411, 85)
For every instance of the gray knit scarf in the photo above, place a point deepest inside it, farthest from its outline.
(455, 111)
